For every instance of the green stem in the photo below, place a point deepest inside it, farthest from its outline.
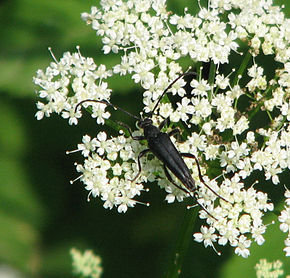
(212, 72)
(254, 112)
(185, 236)
(242, 67)
(211, 78)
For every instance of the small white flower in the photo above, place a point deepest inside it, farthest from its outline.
(184, 108)
(87, 146)
(117, 169)
(207, 128)
(257, 232)
(221, 81)
(200, 88)
(201, 107)
(284, 217)
(211, 152)
(101, 143)
(165, 110)
(207, 236)
(287, 248)
(250, 137)
(242, 246)
(241, 125)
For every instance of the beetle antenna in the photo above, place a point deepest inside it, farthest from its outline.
(109, 104)
(169, 86)
(195, 195)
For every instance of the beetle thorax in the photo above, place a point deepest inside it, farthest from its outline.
(150, 131)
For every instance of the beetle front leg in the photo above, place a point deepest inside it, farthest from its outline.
(172, 132)
(139, 162)
(163, 123)
(139, 138)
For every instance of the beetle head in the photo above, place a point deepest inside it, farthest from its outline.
(145, 122)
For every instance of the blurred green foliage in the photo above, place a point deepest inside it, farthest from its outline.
(41, 215)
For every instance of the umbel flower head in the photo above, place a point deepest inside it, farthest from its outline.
(220, 115)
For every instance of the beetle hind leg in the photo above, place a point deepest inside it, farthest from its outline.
(189, 155)
(174, 183)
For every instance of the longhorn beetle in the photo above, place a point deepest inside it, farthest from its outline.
(160, 144)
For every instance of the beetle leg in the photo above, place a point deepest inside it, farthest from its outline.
(163, 123)
(172, 132)
(202, 206)
(173, 182)
(189, 155)
(175, 131)
(192, 193)
(139, 162)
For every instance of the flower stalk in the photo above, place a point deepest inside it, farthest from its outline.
(182, 243)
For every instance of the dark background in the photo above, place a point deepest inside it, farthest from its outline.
(41, 214)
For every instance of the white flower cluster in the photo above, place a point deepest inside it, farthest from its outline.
(284, 218)
(151, 42)
(86, 264)
(109, 167)
(269, 269)
(67, 82)
(237, 218)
